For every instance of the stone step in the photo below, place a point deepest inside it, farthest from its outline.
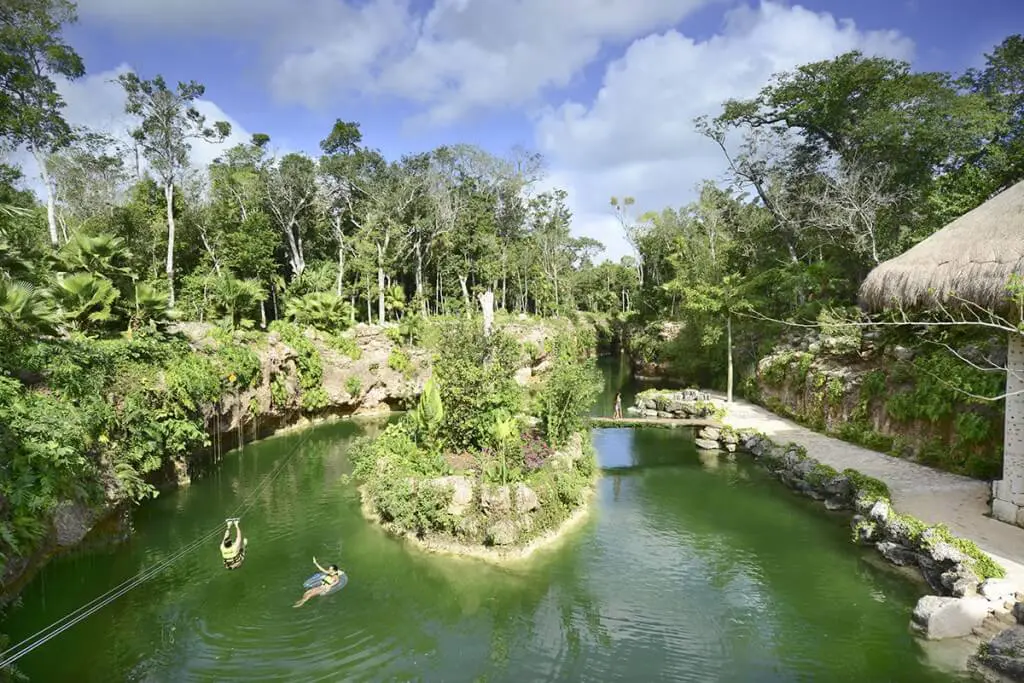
(993, 626)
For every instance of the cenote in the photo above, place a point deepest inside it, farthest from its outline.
(690, 569)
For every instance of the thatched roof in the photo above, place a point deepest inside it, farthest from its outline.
(973, 258)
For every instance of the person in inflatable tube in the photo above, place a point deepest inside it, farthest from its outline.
(233, 551)
(330, 577)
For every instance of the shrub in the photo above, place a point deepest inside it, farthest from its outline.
(569, 393)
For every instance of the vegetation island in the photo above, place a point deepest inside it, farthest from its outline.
(484, 464)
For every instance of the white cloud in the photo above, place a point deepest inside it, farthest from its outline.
(637, 137)
(97, 103)
(457, 57)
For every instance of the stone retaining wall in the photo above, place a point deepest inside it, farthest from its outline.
(967, 583)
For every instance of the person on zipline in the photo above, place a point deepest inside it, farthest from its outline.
(233, 551)
(331, 576)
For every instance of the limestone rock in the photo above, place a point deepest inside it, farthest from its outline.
(937, 618)
(707, 445)
(1005, 653)
(1018, 612)
(959, 581)
(998, 591)
(495, 500)
(731, 447)
(72, 520)
(835, 503)
(865, 531)
(502, 532)
(462, 493)
(523, 375)
(899, 555)
(526, 499)
(710, 433)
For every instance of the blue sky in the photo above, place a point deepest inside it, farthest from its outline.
(605, 89)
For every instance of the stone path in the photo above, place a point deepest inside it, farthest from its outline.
(931, 495)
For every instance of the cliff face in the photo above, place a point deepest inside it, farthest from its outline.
(371, 374)
(907, 402)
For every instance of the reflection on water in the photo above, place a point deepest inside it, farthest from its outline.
(691, 568)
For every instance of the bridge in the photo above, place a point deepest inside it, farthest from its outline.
(666, 422)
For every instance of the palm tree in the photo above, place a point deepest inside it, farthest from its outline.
(26, 309)
(150, 306)
(86, 299)
(394, 300)
(323, 310)
(235, 296)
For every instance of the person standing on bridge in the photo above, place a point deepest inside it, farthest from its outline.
(618, 406)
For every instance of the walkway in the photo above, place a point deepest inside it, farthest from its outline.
(931, 495)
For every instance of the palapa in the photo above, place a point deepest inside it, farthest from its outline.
(971, 259)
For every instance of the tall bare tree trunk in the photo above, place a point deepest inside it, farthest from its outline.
(380, 295)
(341, 267)
(487, 306)
(728, 347)
(465, 296)
(169, 196)
(51, 197)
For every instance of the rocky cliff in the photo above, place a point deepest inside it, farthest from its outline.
(910, 402)
(370, 373)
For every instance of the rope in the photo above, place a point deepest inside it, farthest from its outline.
(16, 652)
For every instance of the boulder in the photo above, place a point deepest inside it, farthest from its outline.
(899, 555)
(710, 433)
(959, 581)
(1018, 612)
(522, 376)
(526, 499)
(495, 500)
(462, 493)
(677, 407)
(731, 447)
(1005, 653)
(72, 520)
(998, 591)
(707, 445)
(502, 532)
(937, 618)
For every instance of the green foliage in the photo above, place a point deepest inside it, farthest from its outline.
(399, 361)
(353, 386)
(428, 417)
(313, 397)
(475, 378)
(569, 393)
(345, 344)
(87, 300)
(323, 310)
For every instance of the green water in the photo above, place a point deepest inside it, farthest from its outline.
(690, 569)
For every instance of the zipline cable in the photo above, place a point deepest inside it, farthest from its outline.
(40, 637)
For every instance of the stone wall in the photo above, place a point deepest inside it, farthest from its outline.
(967, 584)
(889, 401)
(685, 404)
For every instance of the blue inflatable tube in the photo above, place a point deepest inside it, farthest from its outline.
(316, 579)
